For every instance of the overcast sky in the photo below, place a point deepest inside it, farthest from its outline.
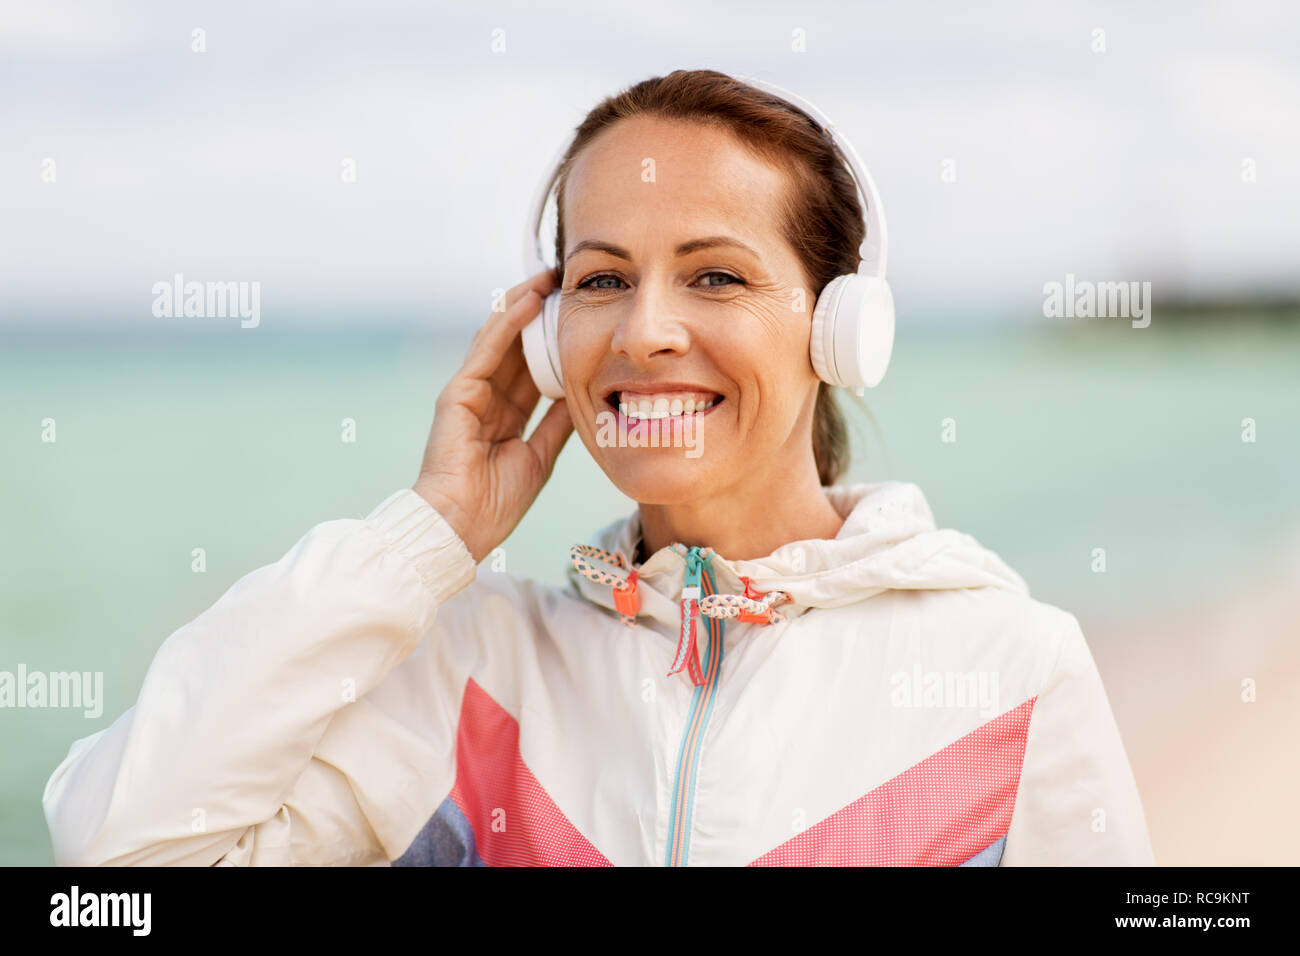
(1125, 164)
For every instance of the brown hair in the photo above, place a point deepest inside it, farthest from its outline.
(822, 217)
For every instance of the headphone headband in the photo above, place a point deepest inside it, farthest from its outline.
(874, 248)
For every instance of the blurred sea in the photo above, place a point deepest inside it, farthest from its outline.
(1069, 438)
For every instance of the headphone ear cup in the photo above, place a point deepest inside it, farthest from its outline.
(821, 345)
(541, 342)
(853, 331)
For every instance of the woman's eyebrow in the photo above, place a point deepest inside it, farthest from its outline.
(618, 252)
(686, 248)
(711, 241)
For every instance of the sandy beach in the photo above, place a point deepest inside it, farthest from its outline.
(1219, 777)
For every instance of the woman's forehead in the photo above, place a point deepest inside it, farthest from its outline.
(648, 170)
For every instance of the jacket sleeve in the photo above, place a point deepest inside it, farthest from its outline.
(1078, 803)
(219, 760)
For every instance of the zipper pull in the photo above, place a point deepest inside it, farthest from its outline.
(687, 649)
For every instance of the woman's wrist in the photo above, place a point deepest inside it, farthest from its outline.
(451, 513)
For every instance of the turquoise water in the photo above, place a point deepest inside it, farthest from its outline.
(1067, 440)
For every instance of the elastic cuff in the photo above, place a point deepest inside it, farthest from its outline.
(412, 528)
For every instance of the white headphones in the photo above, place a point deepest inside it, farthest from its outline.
(853, 321)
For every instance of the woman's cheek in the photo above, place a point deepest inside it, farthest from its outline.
(771, 317)
(580, 351)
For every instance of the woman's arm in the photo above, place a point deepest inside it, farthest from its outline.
(1078, 803)
(243, 745)
(215, 761)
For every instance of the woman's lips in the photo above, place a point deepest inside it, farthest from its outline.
(661, 419)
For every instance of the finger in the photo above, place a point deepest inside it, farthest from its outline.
(511, 364)
(522, 394)
(495, 338)
(474, 394)
(542, 283)
(512, 406)
(519, 399)
(548, 438)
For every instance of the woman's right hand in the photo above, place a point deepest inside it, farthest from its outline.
(478, 471)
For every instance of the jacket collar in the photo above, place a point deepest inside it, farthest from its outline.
(888, 541)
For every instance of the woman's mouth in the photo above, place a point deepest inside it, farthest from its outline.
(650, 406)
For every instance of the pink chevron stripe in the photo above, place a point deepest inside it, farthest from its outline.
(940, 812)
(515, 821)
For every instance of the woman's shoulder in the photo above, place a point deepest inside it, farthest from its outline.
(1001, 628)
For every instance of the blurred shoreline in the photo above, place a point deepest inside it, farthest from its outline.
(1132, 440)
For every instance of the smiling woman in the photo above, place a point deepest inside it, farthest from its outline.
(738, 158)
(759, 666)
(685, 292)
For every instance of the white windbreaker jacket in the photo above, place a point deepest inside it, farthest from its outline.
(369, 699)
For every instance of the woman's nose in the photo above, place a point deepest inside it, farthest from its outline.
(650, 327)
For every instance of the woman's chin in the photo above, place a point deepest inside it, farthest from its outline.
(657, 476)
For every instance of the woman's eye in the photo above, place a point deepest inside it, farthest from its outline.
(600, 282)
(606, 282)
(727, 277)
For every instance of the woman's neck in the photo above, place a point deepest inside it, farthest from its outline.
(745, 523)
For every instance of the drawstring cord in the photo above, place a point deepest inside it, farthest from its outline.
(754, 607)
(697, 598)
(626, 600)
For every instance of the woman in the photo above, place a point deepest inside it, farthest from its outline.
(758, 667)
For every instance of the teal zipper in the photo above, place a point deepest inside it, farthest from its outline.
(678, 848)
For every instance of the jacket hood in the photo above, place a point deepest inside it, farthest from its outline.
(888, 541)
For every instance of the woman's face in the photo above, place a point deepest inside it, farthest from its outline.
(681, 293)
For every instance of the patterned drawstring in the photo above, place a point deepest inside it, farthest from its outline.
(626, 599)
(753, 607)
(697, 598)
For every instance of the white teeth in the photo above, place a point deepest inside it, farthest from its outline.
(658, 408)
